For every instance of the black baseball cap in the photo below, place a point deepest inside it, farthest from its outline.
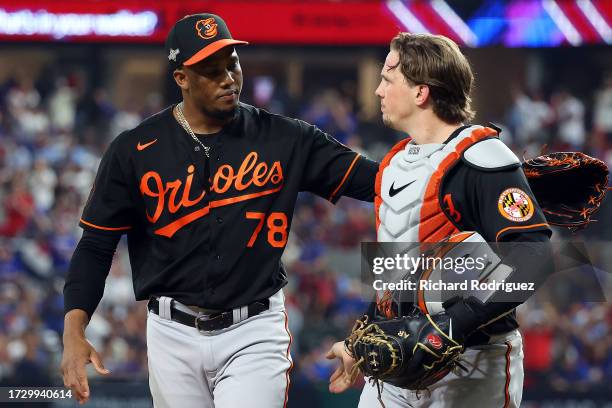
(195, 37)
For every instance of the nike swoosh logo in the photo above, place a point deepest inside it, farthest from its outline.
(393, 191)
(141, 147)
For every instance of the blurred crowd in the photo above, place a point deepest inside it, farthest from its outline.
(563, 121)
(52, 134)
(567, 348)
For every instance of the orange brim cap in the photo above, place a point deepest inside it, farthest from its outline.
(211, 49)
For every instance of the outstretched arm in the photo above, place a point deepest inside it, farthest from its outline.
(83, 290)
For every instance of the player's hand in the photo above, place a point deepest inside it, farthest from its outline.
(78, 352)
(341, 379)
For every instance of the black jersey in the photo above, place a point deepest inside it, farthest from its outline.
(497, 204)
(210, 231)
(480, 200)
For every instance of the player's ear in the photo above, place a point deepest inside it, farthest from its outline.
(421, 93)
(180, 77)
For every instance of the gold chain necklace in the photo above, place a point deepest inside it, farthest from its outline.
(185, 125)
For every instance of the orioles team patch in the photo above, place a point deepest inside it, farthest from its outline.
(206, 29)
(515, 205)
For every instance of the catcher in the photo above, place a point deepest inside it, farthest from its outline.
(450, 177)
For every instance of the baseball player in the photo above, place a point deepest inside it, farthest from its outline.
(450, 176)
(205, 191)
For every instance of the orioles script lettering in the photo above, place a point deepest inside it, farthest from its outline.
(176, 194)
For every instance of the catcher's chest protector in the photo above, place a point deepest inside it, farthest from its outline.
(408, 203)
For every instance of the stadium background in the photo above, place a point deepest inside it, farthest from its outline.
(70, 81)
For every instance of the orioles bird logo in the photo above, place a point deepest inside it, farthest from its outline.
(206, 29)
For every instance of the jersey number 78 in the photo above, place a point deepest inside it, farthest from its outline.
(277, 228)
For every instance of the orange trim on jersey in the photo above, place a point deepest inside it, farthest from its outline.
(378, 183)
(519, 228)
(105, 228)
(288, 358)
(507, 386)
(170, 229)
(331, 197)
(435, 225)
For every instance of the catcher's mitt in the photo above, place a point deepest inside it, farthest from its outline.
(412, 352)
(569, 186)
